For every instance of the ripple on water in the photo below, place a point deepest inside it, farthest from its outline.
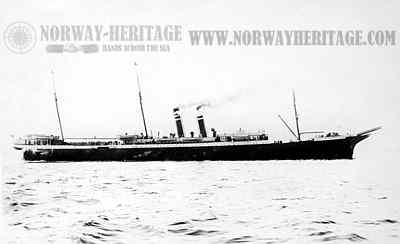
(100, 226)
(97, 237)
(321, 233)
(90, 201)
(23, 204)
(180, 227)
(378, 222)
(324, 222)
(204, 220)
(388, 221)
(200, 232)
(95, 231)
(350, 237)
(85, 241)
(240, 239)
(178, 231)
(186, 227)
(180, 223)
(15, 224)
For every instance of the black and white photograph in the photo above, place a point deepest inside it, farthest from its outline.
(227, 122)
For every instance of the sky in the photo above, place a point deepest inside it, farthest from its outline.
(349, 89)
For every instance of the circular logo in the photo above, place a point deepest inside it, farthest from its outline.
(20, 37)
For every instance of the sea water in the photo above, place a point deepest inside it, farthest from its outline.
(339, 201)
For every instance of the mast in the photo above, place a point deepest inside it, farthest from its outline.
(296, 116)
(140, 101)
(56, 101)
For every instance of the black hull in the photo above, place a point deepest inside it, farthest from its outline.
(340, 148)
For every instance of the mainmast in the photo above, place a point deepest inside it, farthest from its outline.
(140, 101)
(296, 116)
(56, 101)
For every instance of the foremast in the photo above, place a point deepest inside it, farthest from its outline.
(56, 103)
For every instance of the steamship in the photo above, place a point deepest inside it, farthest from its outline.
(178, 147)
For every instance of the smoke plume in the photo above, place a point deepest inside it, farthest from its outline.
(212, 103)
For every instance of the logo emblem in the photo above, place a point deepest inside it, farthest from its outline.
(20, 37)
